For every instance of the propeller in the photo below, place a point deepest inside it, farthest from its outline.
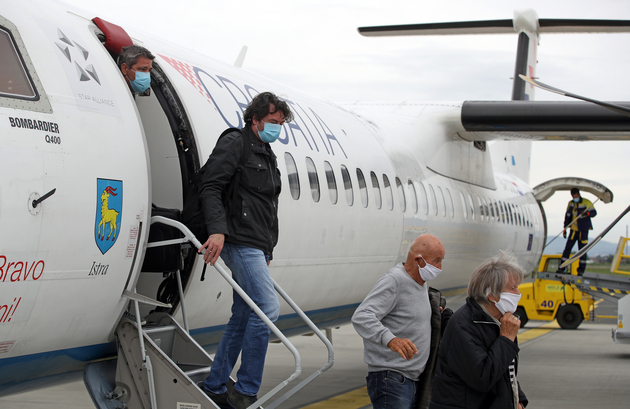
(613, 107)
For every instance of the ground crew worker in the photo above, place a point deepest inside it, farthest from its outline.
(582, 210)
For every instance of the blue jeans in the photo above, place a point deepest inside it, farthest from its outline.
(391, 390)
(245, 331)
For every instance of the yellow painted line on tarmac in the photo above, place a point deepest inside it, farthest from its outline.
(355, 399)
(592, 307)
(537, 332)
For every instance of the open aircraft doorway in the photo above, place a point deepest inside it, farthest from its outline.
(173, 160)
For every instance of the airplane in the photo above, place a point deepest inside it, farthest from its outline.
(85, 165)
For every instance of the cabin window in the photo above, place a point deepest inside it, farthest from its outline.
(471, 203)
(377, 190)
(528, 216)
(510, 216)
(313, 180)
(496, 212)
(14, 80)
(332, 183)
(503, 212)
(292, 173)
(491, 209)
(401, 195)
(450, 204)
(413, 196)
(433, 200)
(485, 208)
(362, 188)
(481, 212)
(347, 185)
(442, 201)
(387, 191)
(461, 196)
(517, 212)
(424, 200)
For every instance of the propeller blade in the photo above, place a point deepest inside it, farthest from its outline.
(613, 107)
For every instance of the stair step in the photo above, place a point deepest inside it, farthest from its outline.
(157, 330)
(198, 371)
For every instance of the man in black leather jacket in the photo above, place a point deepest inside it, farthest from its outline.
(243, 230)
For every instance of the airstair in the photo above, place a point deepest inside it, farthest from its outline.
(161, 366)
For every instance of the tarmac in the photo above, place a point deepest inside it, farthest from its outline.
(581, 368)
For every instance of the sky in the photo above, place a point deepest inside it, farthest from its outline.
(314, 46)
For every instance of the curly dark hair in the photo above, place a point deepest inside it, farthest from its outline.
(261, 107)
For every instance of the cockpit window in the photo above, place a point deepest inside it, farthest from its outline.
(14, 80)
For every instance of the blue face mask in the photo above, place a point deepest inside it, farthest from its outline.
(142, 81)
(576, 199)
(270, 132)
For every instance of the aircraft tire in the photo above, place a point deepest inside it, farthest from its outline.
(569, 316)
(520, 311)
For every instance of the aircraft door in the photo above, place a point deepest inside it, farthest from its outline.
(173, 159)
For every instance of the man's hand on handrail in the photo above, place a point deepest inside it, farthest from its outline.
(214, 245)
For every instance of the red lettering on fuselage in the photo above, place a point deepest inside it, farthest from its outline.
(20, 270)
(9, 310)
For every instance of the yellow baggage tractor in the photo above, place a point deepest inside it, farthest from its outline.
(546, 300)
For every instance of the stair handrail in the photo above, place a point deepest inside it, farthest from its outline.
(190, 237)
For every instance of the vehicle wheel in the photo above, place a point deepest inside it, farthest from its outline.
(520, 311)
(569, 316)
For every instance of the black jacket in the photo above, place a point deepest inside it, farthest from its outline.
(255, 223)
(473, 363)
(439, 320)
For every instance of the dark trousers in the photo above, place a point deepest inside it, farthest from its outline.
(582, 240)
(391, 390)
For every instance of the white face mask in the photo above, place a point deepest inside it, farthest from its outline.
(429, 271)
(507, 302)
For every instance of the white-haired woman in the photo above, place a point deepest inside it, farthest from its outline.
(478, 357)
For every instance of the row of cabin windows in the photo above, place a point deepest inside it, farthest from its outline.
(493, 210)
(439, 200)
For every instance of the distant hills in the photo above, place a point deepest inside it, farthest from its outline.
(602, 248)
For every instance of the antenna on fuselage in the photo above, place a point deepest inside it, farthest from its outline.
(241, 57)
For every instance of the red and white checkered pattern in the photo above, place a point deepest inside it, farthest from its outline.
(187, 71)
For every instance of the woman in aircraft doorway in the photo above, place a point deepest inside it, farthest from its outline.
(477, 360)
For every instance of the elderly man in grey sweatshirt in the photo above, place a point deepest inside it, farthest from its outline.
(394, 322)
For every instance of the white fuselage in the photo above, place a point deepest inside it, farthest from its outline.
(61, 281)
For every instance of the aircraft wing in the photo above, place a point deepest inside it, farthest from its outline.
(542, 120)
(545, 25)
